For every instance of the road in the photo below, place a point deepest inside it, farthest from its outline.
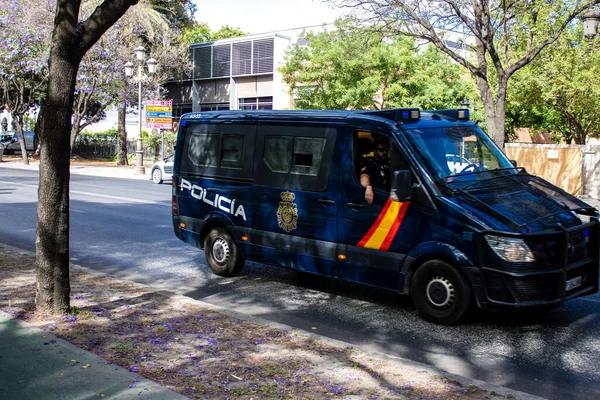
(123, 227)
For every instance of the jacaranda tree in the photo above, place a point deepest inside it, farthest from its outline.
(72, 37)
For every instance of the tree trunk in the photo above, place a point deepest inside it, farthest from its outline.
(52, 238)
(18, 124)
(495, 115)
(74, 129)
(71, 39)
(122, 154)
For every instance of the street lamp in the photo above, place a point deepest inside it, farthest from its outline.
(140, 54)
(590, 23)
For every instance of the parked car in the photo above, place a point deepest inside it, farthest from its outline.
(13, 146)
(163, 170)
(457, 163)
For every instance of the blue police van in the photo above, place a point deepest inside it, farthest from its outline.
(453, 223)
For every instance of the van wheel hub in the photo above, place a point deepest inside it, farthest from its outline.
(220, 250)
(440, 292)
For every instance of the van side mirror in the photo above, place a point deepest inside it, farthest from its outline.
(514, 163)
(402, 186)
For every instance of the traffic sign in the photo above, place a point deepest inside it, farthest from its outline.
(159, 120)
(155, 125)
(159, 114)
(162, 103)
(159, 108)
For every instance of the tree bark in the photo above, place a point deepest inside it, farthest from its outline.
(18, 123)
(122, 154)
(71, 39)
(52, 238)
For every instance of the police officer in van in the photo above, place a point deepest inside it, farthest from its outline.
(376, 172)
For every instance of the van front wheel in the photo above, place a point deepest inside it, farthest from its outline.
(441, 293)
(222, 255)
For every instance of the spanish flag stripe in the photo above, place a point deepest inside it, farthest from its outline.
(384, 227)
(395, 226)
(366, 238)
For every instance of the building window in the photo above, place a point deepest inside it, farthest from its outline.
(214, 106)
(256, 103)
(180, 109)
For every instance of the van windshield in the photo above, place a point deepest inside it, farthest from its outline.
(458, 154)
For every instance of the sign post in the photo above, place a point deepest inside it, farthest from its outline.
(159, 115)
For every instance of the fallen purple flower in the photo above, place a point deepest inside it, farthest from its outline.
(70, 318)
(335, 389)
(134, 369)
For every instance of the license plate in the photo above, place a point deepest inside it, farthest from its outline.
(573, 283)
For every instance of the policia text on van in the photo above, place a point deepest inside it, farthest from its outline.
(452, 224)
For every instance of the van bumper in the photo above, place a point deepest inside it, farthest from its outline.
(565, 266)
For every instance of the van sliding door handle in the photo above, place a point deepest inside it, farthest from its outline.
(354, 205)
(326, 202)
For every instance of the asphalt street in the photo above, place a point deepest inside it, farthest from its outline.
(123, 227)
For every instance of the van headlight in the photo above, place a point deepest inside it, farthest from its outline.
(510, 249)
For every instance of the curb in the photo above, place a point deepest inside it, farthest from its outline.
(466, 382)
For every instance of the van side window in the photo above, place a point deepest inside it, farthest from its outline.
(277, 153)
(305, 159)
(219, 150)
(307, 154)
(204, 149)
(232, 151)
(294, 157)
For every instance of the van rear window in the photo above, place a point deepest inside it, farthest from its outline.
(218, 150)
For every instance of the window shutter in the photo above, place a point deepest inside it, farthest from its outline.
(263, 56)
(202, 62)
(242, 58)
(221, 60)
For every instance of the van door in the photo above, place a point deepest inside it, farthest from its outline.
(377, 236)
(294, 196)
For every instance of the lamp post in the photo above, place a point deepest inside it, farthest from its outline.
(590, 23)
(140, 54)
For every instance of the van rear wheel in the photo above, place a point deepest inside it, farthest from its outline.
(222, 254)
(441, 293)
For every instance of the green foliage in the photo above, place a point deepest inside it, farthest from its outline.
(87, 136)
(226, 32)
(559, 92)
(357, 68)
(154, 141)
(201, 32)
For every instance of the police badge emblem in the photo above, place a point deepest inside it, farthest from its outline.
(287, 212)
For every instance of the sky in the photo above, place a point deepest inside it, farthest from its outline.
(262, 16)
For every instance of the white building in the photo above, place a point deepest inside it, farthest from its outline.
(236, 74)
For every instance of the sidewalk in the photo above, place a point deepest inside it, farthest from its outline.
(37, 365)
(127, 172)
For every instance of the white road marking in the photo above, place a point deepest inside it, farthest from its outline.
(105, 196)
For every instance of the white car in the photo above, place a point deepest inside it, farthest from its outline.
(456, 163)
(162, 170)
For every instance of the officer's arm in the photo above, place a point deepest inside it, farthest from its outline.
(365, 181)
